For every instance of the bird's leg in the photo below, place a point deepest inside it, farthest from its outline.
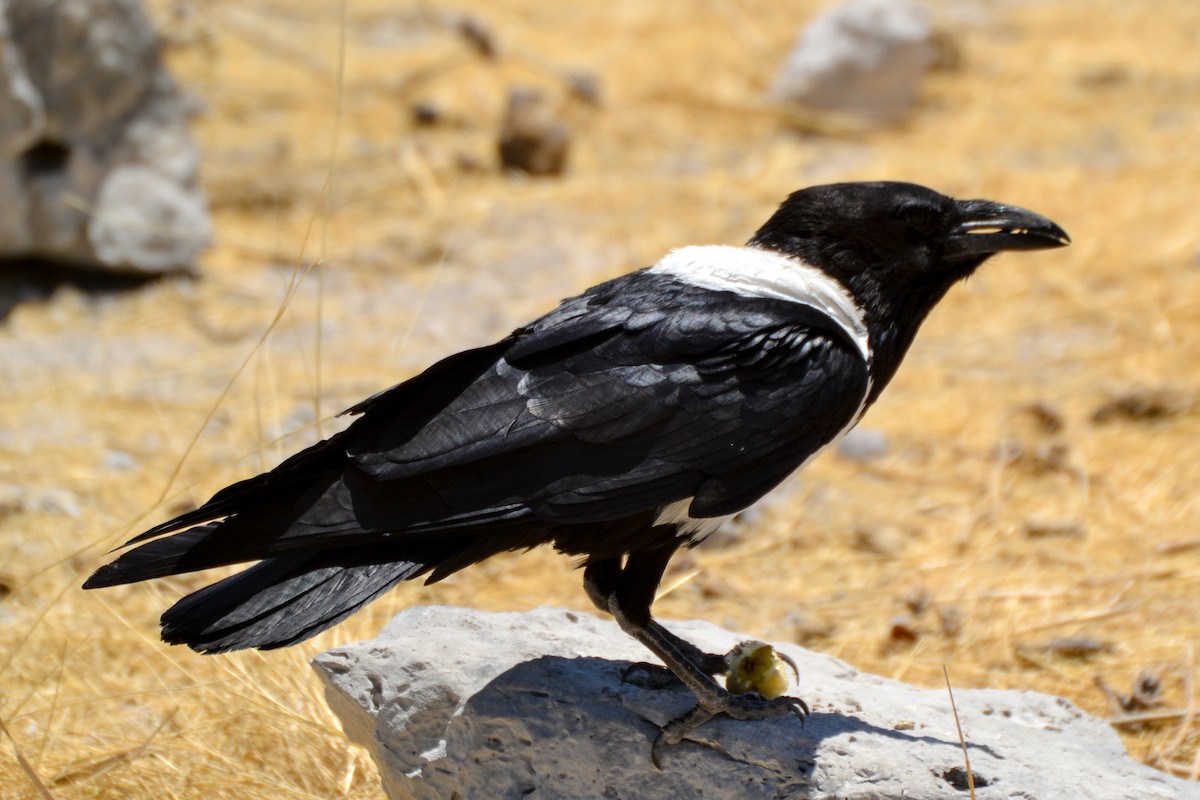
(709, 663)
(600, 580)
(600, 576)
(630, 604)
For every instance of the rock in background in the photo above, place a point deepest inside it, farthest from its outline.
(861, 57)
(97, 168)
(457, 703)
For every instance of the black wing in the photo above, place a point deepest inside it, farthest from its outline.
(641, 393)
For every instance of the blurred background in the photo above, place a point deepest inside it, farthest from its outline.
(225, 222)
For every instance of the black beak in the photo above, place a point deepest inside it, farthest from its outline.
(989, 227)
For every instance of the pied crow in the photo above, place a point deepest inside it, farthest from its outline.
(628, 422)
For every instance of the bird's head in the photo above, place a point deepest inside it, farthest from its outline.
(897, 248)
(899, 242)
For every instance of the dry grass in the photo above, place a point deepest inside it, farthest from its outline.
(990, 533)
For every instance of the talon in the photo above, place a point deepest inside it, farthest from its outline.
(656, 750)
(785, 658)
(800, 709)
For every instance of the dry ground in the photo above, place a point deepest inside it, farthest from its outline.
(1007, 533)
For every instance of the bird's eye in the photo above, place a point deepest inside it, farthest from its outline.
(919, 218)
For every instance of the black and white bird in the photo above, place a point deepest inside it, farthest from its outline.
(628, 422)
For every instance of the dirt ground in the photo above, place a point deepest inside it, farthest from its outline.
(1033, 523)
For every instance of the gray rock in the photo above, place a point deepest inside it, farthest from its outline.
(464, 704)
(97, 168)
(862, 57)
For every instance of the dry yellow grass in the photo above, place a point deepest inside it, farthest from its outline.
(991, 533)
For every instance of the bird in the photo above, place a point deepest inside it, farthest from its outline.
(629, 422)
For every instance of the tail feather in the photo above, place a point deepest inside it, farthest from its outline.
(153, 560)
(237, 540)
(279, 602)
(291, 479)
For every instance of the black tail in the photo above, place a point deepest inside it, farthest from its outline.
(251, 517)
(280, 601)
(328, 536)
(300, 586)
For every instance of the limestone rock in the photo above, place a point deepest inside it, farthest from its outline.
(97, 168)
(456, 703)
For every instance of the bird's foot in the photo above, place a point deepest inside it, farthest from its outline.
(749, 706)
(754, 691)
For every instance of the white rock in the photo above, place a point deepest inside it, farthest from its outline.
(456, 703)
(862, 57)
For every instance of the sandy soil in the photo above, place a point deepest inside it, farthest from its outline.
(1033, 524)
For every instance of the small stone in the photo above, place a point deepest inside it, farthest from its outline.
(884, 540)
(477, 35)
(585, 87)
(119, 461)
(1046, 418)
(426, 113)
(1145, 694)
(862, 444)
(917, 600)
(58, 501)
(903, 631)
(531, 140)
(809, 627)
(958, 778)
(1104, 76)
(1147, 405)
(1044, 528)
(950, 619)
(1075, 647)
(13, 499)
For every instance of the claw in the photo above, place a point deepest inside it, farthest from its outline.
(800, 709)
(785, 658)
(656, 751)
